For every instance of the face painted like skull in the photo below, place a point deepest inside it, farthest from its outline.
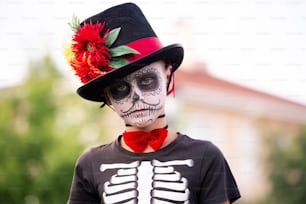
(139, 98)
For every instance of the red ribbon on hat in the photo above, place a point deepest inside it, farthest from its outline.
(139, 140)
(144, 47)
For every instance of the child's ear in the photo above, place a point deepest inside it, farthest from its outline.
(107, 100)
(168, 71)
(169, 75)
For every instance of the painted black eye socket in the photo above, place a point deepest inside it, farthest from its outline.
(119, 90)
(148, 82)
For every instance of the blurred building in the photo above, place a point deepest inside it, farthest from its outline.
(237, 119)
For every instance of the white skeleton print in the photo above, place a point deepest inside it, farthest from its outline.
(146, 182)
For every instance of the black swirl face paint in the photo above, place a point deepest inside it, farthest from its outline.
(139, 98)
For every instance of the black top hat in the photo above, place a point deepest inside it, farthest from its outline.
(126, 43)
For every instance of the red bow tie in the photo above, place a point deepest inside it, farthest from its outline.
(139, 140)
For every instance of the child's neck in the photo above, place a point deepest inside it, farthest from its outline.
(158, 123)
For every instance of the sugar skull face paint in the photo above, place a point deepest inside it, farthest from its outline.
(139, 98)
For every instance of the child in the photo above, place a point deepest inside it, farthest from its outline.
(123, 65)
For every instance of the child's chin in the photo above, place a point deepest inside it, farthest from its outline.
(142, 123)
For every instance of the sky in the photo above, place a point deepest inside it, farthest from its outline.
(256, 43)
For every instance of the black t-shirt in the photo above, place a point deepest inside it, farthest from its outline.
(186, 171)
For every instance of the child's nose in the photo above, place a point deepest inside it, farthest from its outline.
(135, 97)
(137, 94)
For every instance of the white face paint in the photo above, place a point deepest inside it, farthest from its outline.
(139, 98)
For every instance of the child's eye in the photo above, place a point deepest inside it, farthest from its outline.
(119, 90)
(148, 82)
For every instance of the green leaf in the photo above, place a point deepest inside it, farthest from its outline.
(75, 23)
(118, 62)
(122, 50)
(112, 36)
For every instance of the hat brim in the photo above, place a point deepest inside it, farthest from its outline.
(94, 89)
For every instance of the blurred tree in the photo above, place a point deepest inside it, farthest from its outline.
(287, 170)
(40, 131)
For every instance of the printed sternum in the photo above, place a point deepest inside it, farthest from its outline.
(145, 175)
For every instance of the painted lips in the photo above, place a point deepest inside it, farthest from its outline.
(139, 113)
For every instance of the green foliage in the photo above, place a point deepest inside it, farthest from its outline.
(122, 50)
(112, 36)
(287, 171)
(118, 62)
(40, 137)
(75, 23)
(117, 52)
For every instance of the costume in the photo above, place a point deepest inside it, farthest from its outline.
(185, 171)
(123, 64)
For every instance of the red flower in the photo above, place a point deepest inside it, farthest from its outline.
(91, 55)
(86, 72)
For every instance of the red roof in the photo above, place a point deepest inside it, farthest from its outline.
(204, 79)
